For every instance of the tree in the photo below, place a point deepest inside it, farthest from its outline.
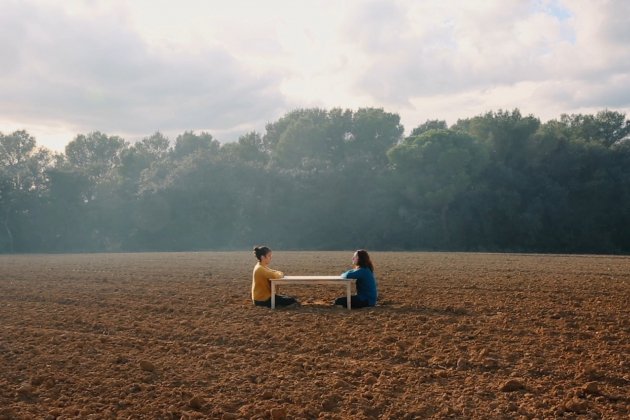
(619, 215)
(95, 155)
(606, 127)
(248, 149)
(432, 170)
(308, 139)
(140, 157)
(22, 183)
(91, 175)
(328, 179)
(374, 132)
(189, 143)
(428, 125)
(68, 227)
(507, 134)
(510, 205)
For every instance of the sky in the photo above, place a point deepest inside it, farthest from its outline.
(132, 68)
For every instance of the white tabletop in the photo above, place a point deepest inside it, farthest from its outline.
(313, 278)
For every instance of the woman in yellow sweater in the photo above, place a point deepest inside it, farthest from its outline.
(261, 286)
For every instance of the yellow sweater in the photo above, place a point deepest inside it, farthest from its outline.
(261, 287)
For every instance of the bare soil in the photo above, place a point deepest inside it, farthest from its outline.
(174, 335)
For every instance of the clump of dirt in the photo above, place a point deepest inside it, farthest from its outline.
(176, 336)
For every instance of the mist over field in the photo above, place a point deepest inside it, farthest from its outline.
(328, 179)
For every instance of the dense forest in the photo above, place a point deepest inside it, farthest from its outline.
(328, 179)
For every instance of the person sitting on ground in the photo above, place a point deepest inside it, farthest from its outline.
(261, 286)
(363, 272)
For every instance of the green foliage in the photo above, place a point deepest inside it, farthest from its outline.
(96, 155)
(191, 144)
(441, 165)
(606, 127)
(428, 125)
(329, 179)
(22, 185)
(249, 149)
(374, 132)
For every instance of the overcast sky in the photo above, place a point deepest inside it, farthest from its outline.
(131, 68)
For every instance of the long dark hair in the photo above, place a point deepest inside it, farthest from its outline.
(364, 260)
(261, 251)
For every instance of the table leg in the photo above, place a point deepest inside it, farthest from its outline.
(348, 294)
(273, 295)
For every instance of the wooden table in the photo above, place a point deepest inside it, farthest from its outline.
(311, 280)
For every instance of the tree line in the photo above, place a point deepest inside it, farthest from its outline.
(328, 179)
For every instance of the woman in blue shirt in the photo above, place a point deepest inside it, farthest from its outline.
(363, 272)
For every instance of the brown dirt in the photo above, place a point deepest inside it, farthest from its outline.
(174, 335)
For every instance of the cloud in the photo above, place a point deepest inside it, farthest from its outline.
(457, 47)
(99, 73)
(487, 50)
(131, 68)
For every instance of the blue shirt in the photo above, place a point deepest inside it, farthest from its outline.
(366, 283)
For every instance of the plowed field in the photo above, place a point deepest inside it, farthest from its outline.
(174, 335)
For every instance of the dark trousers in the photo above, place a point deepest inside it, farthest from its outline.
(355, 302)
(281, 300)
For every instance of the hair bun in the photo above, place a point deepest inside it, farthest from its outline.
(261, 251)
